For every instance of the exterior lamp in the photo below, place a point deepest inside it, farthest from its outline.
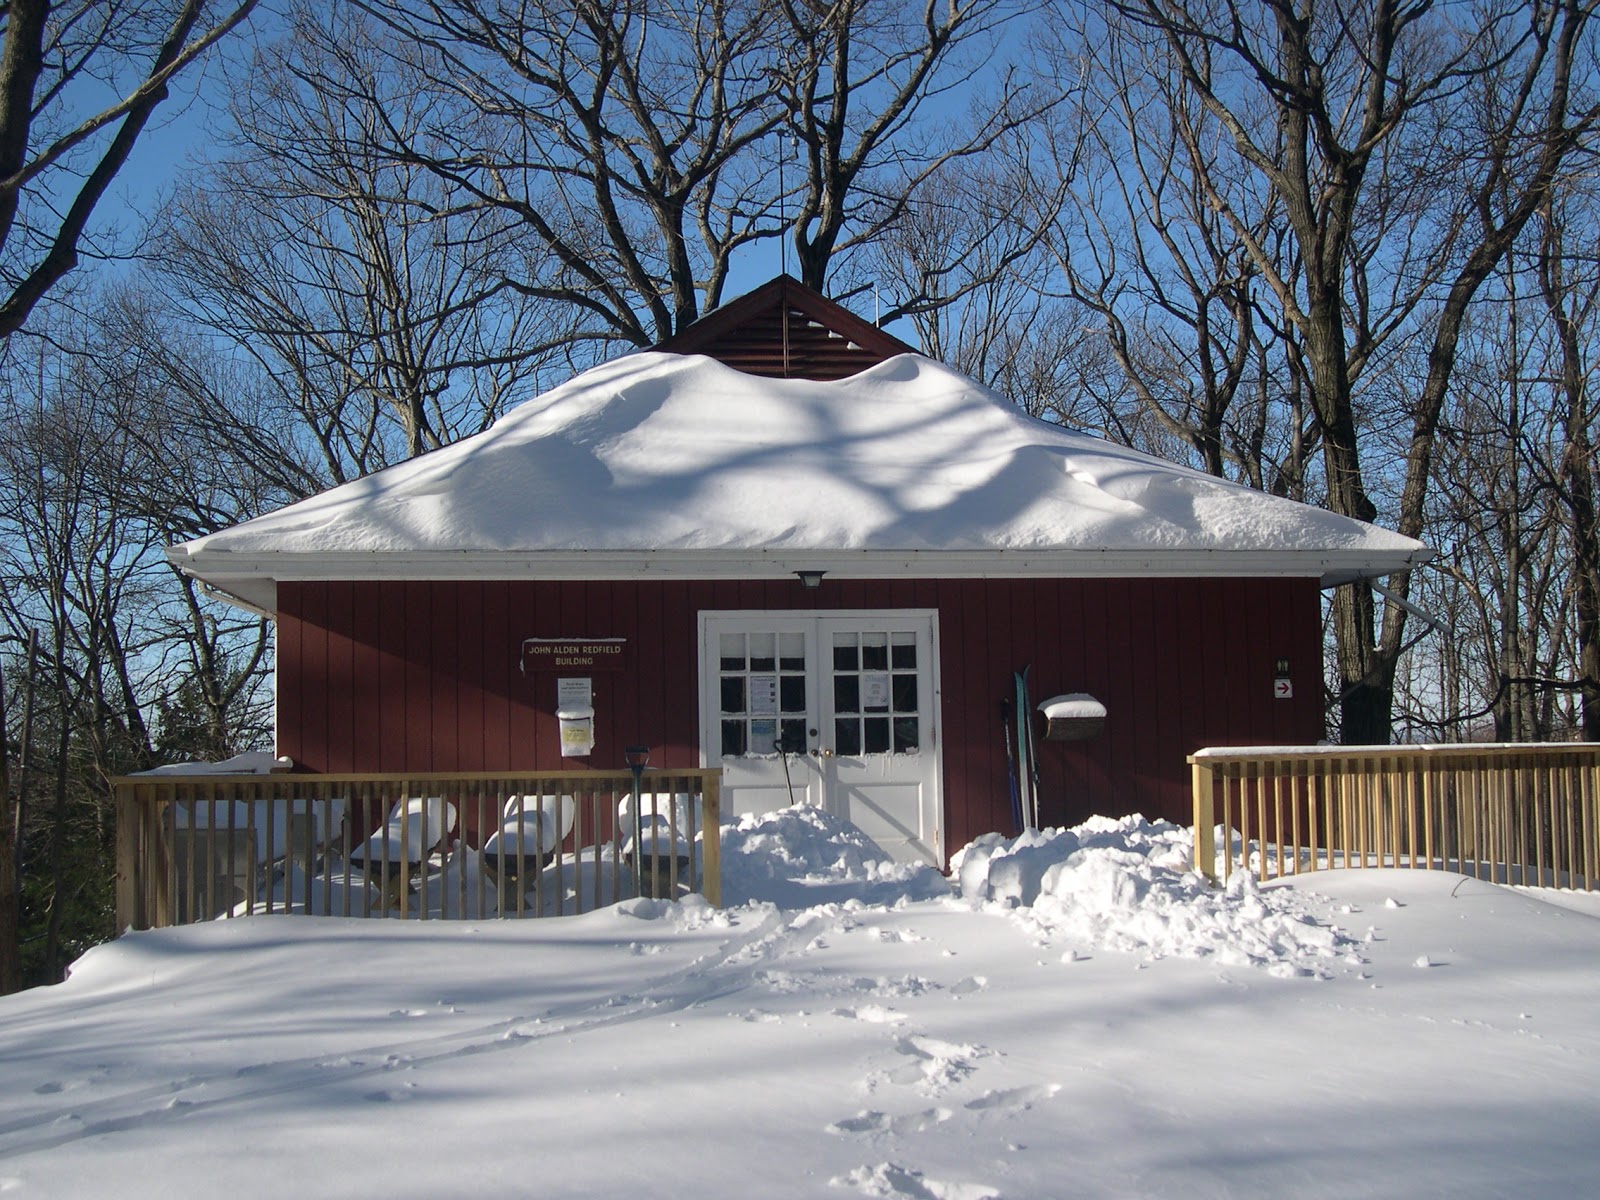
(810, 580)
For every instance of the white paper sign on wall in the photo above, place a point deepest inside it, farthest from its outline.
(574, 693)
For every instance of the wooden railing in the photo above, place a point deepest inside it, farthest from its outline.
(426, 846)
(1520, 814)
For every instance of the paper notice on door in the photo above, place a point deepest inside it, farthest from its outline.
(763, 694)
(874, 690)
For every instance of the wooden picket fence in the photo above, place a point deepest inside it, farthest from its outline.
(1514, 813)
(423, 846)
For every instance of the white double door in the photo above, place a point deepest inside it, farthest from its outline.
(839, 710)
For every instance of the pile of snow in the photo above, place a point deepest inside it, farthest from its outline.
(800, 856)
(1128, 885)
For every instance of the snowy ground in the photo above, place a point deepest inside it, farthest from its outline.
(1082, 1020)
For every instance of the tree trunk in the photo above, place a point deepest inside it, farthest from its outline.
(10, 910)
(1585, 568)
(58, 833)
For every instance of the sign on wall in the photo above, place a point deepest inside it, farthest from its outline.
(574, 694)
(588, 656)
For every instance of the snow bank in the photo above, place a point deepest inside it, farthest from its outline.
(801, 856)
(1123, 885)
(1128, 885)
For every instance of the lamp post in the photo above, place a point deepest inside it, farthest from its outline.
(637, 758)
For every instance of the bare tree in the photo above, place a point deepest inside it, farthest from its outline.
(61, 143)
(129, 665)
(859, 78)
(1569, 284)
(624, 138)
(1500, 520)
(1406, 153)
(1121, 191)
(369, 292)
(10, 891)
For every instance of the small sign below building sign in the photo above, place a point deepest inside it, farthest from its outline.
(1282, 689)
(575, 693)
(590, 656)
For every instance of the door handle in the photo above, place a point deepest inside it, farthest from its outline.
(823, 752)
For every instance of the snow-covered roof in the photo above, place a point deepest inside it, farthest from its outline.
(660, 464)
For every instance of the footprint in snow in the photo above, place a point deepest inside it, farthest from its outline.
(969, 985)
(1014, 1100)
(894, 935)
(389, 1095)
(906, 985)
(870, 1121)
(47, 1089)
(873, 1014)
(892, 1179)
(934, 1064)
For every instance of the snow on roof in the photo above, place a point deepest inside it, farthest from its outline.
(680, 456)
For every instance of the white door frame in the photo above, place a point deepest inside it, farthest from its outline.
(931, 743)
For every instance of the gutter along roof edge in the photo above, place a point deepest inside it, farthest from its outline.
(226, 570)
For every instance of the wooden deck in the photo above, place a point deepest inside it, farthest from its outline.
(421, 846)
(1526, 814)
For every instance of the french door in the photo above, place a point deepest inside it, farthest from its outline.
(838, 710)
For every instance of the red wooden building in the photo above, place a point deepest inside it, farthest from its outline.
(784, 524)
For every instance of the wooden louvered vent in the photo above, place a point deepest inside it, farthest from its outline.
(785, 330)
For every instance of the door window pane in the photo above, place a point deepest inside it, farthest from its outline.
(791, 652)
(905, 693)
(764, 652)
(875, 652)
(877, 735)
(905, 735)
(732, 739)
(847, 736)
(733, 693)
(792, 693)
(732, 652)
(903, 651)
(846, 694)
(845, 657)
(794, 736)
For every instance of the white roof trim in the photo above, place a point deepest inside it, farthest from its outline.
(251, 576)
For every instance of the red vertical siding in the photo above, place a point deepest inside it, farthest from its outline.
(385, 608)
(317, 675)
(423, 676)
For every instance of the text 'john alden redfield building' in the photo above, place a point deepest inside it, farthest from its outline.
(786, 528)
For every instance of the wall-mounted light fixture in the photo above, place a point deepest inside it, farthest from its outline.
(810, 580)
